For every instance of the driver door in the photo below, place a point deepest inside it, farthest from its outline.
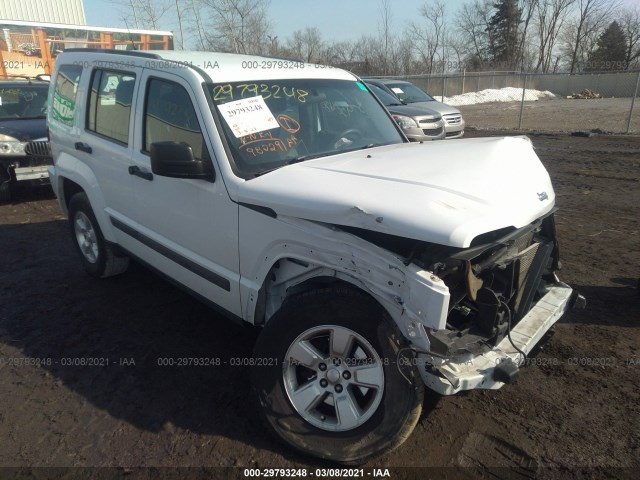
(187, 228)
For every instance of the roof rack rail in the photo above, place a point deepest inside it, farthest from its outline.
(30, 78)
(132, 53)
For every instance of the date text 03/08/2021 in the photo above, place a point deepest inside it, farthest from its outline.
(318, 472)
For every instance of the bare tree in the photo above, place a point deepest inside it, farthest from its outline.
(274, 46)
(430, 37)
(456, 44)
(179, 14)
(591, 17)
(341, 53)
(630, 23)
(134, 5)
(551, 15)
(152, 12)
(471, 25)
(238, 26)
(197, 24)
(306, 44)
(404, 61)
(384, 32)
(149, 14)
(527, 7)
(141, 13)
(363, 56)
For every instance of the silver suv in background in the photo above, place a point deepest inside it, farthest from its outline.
(411, 95)
(418, 124)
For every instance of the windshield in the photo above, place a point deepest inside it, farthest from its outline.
(23, 102)
(409, 93)
(272, 123)
(385, 97)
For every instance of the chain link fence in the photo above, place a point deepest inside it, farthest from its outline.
(556, 102)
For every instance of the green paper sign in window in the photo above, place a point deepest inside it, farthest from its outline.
(63, 105)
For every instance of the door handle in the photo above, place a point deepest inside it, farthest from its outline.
(135, 170)
(83, 147)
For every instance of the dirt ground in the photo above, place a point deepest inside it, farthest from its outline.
(576, 406)
(560, 115)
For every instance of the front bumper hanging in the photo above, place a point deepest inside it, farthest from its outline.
(449, 377)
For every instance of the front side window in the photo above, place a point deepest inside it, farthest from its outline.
(169, 116)
(409, 93)
(272, 123)
(109, 110)
(385, 97)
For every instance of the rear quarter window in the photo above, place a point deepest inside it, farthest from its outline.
(63, 103)
(109, 111)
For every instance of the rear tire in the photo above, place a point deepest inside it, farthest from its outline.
(97, 256)
(327, 379)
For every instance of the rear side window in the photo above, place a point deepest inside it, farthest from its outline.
(109, 109)
(169, 116)
(63, 104)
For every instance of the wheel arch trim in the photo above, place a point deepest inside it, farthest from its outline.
(69, 169)
(414, 299)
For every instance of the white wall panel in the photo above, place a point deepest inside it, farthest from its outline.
(54, 11)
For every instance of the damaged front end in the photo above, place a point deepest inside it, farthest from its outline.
(504, 296)
(493, 284)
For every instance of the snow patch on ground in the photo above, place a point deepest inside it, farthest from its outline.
(508, 94)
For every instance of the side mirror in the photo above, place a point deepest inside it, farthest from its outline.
(173, 159)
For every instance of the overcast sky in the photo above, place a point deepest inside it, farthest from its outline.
(336, 19)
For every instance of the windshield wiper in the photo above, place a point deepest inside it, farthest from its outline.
(305, 157)
(366, 147)
(291, 162)
(268, 170)
(316, 155)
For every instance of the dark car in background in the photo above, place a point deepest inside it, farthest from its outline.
(419, 124)
(24, 148)
(411, 95)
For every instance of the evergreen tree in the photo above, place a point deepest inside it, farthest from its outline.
(611, 50)
(503, 30)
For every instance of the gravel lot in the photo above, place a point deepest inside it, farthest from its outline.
(576, 405)
(560, 115)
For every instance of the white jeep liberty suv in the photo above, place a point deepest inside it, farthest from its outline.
(286, 196)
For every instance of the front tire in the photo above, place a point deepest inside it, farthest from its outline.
(328, 380)
(97, 256)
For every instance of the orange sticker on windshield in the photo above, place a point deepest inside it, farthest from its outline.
(288, 123)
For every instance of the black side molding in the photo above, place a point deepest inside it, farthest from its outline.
(269, 212)
(214, 306)
(212, 277)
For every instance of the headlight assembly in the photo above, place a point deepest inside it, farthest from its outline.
(405, 122)
(10, 146)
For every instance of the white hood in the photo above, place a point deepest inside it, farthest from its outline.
(441, 192)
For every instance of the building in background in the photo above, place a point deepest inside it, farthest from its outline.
(29, 48)
(33, 32)
(48, 11)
